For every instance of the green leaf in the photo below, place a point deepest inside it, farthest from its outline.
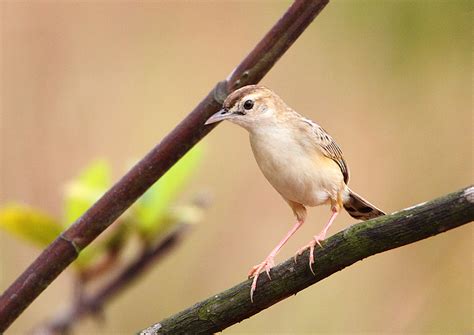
(29, 224)
(83, 191)
(152, 208)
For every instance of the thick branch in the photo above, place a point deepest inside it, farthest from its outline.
(62, 252)
(341, 250)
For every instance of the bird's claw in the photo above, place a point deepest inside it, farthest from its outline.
(319, 238)
(316, 240)
(266, 265)
(311, 246)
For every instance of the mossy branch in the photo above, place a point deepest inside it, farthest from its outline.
(341, 250)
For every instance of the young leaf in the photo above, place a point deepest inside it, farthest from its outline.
(29, 224)
(83, 191)
(152, 208)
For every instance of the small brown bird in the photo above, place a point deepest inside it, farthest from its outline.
(298, 157)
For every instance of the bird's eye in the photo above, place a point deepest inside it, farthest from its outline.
(248, 104)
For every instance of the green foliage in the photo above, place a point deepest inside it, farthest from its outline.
(151, 216)
(152, 211)
(29, 224)
(84, 190)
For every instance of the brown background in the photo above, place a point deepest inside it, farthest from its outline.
(391, 81)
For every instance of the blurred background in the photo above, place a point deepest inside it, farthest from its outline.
(391, 82)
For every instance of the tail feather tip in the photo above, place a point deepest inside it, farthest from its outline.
(361, 209)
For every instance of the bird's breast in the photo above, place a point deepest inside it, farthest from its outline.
(296, 168)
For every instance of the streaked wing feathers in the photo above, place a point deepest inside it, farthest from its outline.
(329, 147)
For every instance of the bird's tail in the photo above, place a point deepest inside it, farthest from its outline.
(359, 208)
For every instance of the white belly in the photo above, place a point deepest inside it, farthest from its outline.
(299, 173)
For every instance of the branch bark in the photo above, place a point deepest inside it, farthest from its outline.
(341, 250)
(65, 249)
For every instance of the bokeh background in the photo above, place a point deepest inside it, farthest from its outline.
(390, 80)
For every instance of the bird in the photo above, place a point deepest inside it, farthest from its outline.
(299, 158)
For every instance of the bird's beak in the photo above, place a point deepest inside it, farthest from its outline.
(223, 114)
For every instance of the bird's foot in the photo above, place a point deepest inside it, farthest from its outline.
(320, 238)
(266, 265)
(317, 239)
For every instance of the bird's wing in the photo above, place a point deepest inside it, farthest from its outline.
(329, 147)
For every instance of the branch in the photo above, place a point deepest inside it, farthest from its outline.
(65, 249)
(341, 250)
(94, 303)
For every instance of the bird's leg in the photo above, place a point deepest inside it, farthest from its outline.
(268, 263)
(317, 239)
(322, 235)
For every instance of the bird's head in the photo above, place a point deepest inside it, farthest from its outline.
(250, 106)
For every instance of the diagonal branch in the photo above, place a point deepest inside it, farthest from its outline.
(64, 250)
(341, 250)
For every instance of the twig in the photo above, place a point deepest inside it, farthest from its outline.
(341, 250)
(65, 249)
(94, 303)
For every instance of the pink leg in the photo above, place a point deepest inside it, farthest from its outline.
(268, 263)
(322, 235)
(317, 239)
